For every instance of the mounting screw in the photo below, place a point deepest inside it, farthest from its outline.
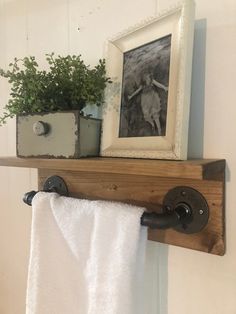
(168, 208)
(201, 212)
(183, 193)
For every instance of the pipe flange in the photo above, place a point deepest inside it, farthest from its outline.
(195, 201)
(56, 184)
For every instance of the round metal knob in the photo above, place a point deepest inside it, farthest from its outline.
(40, 128)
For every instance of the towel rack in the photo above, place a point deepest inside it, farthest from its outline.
(184, 208)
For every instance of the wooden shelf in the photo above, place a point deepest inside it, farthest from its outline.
(199, 169)
(144, 183)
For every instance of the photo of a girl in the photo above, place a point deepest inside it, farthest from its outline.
(145, 90)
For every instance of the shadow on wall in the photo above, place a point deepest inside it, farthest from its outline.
(196, 121)
(156, 279)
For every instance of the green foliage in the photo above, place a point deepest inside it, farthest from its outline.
(68, 85)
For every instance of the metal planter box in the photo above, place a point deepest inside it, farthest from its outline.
(64, 134)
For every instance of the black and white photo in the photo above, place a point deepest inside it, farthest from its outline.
(145, 89)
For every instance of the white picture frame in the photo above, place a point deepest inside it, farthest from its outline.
(135, 123)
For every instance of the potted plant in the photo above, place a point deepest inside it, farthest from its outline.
(49, 106)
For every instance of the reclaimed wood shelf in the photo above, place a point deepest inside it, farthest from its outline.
(143, 182)
(202, 169)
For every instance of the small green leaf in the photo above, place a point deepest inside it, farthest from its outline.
(68, 84)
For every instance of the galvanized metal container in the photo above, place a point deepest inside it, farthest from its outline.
(58, 135)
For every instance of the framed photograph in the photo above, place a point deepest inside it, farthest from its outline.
(146, 108)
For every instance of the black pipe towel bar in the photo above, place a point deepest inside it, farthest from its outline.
(184, 208)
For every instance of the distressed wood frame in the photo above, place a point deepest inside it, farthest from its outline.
(179, 21)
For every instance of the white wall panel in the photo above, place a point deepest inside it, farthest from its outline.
(98, 20)
(14, 216)
(197, 282)
(47, 28)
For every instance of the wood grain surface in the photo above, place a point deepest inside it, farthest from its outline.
(149, 191)
(202, 169)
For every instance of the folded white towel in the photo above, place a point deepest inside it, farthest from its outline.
(86, 257)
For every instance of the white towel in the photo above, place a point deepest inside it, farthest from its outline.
(86, 257)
